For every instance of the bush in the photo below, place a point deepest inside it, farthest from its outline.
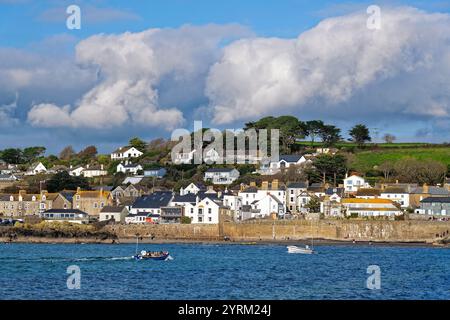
(185, 220)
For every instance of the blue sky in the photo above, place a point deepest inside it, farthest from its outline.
(38, 51)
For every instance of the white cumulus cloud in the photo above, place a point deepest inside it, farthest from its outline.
(131, 67)
(340, 68)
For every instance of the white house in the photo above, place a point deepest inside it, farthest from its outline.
(129, 168)
(36, 168)
(206, 211)
(396, 194)
(354, 182)
(94, 171)
(370, 207)
(65, 215)
(117, 214)
(184, 157)
(139, 218)
(267, 205)
(252, 194)
(192, 188)
(211, 156)
(76, 171)
(126, 153)
(221, 175)
(284, 162)
(152, 203)
(293, 191)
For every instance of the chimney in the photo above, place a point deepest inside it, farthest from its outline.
(396, 181)
(78, 189)
(252, 184)
(265, 185)
(22, 192)
(242, 187)
(87, 166)
(275, 184)
(426, 189)
(71, 166)
(197, 200)
(101, 167)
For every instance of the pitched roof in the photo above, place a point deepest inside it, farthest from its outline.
(299, 185)
(436, 199)
(92, 193)
(250, 190)
(154, 200)
(359, 200)
(122, 149)
(112, 209)
(394, 190)
(76, 211)
(338, 191)
(368, 192)
(438, 191)
(290, 157)
(220, 170)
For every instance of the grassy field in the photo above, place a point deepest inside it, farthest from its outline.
(376, 153)
(366, 160)
(372, 145)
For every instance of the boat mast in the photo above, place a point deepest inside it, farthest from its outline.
(137, 243)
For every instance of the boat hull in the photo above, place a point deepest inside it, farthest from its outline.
(159, 258)
(295, 249)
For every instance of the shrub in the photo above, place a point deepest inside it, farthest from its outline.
(185, 220)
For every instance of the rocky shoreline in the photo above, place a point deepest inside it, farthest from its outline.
(317, 242)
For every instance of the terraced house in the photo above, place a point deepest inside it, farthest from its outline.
(24, 204)
(92, 202)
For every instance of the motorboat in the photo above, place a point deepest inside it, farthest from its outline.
(301, 250)
(152, 255)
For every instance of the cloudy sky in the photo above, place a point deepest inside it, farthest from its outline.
(144, 68)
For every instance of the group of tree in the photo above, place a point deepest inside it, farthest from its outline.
(292, 130)
(410, 170)
(22, 156)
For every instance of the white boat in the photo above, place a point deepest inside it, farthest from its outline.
(295, 249)
(303, 250)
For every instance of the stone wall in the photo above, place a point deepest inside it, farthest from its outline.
(394, 231)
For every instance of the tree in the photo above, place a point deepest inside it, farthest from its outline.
(32, 153)
(360, 134)
(290, 129)
(138, 144)
(13, 156)
(67, 153)
(313, 129)
(64, 181)
(387, 168)
(314, 204)
(88, 153)
(330, 165)
(389, 138)
(330, 135)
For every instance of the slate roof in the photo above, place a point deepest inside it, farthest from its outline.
(338, 191)
(113, 209)
(75, 211)
(224, 170)
(368, 192)
(250, 190)
(292, 158)
(436, 199)
(155, 200)
(298, 185)
(432, 190)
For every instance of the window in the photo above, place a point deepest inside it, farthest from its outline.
(209, 219)
(209, 210)
(200, 219)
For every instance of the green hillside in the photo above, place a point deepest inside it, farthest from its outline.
(366, 160)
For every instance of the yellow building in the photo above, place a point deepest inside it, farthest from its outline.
(92, 202)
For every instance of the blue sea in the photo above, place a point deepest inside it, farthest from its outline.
(210, 271)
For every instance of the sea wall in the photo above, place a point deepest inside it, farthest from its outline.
(389, 231)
